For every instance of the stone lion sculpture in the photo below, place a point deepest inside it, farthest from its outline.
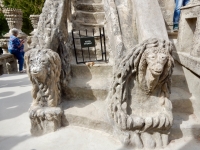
(43, 68)
(139, 102)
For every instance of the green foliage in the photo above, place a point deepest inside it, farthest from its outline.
(28, 7)
(3, 25)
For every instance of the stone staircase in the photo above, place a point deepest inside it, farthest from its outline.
(88, 17)
(90, 86)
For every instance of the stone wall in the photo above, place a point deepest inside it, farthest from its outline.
(187, 50)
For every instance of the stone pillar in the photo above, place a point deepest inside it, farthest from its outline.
(14, 20)
(150, 21)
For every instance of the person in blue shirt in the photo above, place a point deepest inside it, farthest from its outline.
(177, 12)
(15, 46)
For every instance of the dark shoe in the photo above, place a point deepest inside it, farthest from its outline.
(175, 28)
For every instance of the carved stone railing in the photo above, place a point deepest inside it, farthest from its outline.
(139, 107)
(48, 67)
(188, 45)
(188, 50)
(8, 64)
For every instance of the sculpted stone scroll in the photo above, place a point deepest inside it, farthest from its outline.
(44, 68)
(139, 104)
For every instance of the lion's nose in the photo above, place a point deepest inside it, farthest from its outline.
(158, 68)
(35, 69)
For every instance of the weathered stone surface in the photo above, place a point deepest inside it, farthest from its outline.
(188, 35)
(150, 22)
(52, 34)
(44, 68)
(167, 8)
(34, 21)
(8, 64)
(191, 66)
(139, 97)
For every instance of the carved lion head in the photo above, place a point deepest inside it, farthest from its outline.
(44, 67)
(154, 67)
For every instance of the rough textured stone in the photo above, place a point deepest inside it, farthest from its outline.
(44, 68)
(167, 8)
(152, 26)
(188, 35)
(8, 64)
(139, 97)
(191, 66)
(52, 34)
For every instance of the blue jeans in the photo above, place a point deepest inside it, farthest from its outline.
(177, 11)
(20, 58)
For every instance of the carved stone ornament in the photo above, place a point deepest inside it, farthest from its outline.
(44, 68)
(34, 21)
(139, 104)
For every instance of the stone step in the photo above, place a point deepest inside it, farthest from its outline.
(89, 114)
(82, 71)
(90, 17)
(79, 25)
(93, 89)
(185, 125)
(97, 88)
(181, 102)
(90, 32)
(90, 7)
(93, 115)
(90, 1)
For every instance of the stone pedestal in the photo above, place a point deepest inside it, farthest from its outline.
(45, 119)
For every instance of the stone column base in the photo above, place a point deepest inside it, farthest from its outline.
(45, 119)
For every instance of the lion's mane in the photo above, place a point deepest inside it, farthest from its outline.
(133, 66)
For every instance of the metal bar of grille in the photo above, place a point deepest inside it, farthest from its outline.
(95, 46)
(74, 45)
(101, 43)
(88, 47)
(104, 38)
(81, 47)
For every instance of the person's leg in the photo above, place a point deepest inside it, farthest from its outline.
(20, 58)
(177, 12)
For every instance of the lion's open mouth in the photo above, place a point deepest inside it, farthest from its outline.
(34, 72)
(156, 72)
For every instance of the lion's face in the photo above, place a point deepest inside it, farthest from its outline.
(39, 66)
(156, 62)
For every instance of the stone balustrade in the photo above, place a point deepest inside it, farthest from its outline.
(8, 64)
